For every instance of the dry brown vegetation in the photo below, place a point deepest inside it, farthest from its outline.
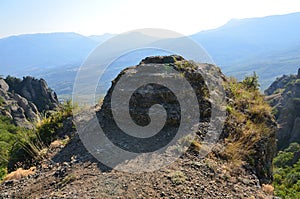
(20, 173)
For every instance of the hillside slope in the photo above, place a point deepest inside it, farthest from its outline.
(283, 96)
(237, 167)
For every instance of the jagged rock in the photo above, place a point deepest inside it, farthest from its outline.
(72, 168)
(35, 91)
(284, 95)
(150, 94)
(278, 84)
(30, 110)
(146, 96)
(20, 98)
(295, 135)
(3, 85)
(17, 108)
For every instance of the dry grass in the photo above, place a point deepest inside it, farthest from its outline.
(247, 120)
(195, 146)
(177, 177)
(268, 189)
(20, 173)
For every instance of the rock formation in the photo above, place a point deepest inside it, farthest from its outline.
(71, 172)
(284, 96)
(35, 91)
(23, 101)
(147, 95)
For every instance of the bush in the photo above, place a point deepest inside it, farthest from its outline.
(1, 101)
(251, 82)
(9, 136)
(283, 159)
(50, 126)
(249, 123)
(19, 145)
(293, 147)
(287, 176)
(3, 172)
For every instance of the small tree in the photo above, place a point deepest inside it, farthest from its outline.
(251, 82)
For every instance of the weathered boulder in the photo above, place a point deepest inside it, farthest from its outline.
(24, 100)
(147, 95)
(3, 85)
(17, 108)
(150, 94)
(30, 110)
(35, 91)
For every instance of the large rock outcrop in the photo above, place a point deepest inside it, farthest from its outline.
(148, 95)
(284, 96)
(23, 101)
(35, 91)
(190, 176)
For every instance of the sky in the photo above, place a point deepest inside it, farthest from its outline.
(96, 17)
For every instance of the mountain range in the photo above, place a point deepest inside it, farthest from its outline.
(268, 45)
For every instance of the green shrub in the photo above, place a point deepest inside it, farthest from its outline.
(19, 145)
(251, 82)
(249, 122)
(283, 159)
(293, 147)
(1, 101)
(287, 176)
(3, 172)
(49, 127)
(9, 138)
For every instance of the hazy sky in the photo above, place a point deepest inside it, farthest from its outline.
(89, 17)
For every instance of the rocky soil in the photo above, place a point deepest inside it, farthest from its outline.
(71, 172)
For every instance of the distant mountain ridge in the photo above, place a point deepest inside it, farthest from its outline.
(28, 52)
(268, 45)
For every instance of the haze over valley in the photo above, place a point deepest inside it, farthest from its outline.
(267, 45)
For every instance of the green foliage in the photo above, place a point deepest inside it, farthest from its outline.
(1, 101)
(18, 145)
(49, 127)
(248, 121)
(9, 136)
(251, 82)
(293, 147)
(3, 172)
(286, 175)
(283, 159)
